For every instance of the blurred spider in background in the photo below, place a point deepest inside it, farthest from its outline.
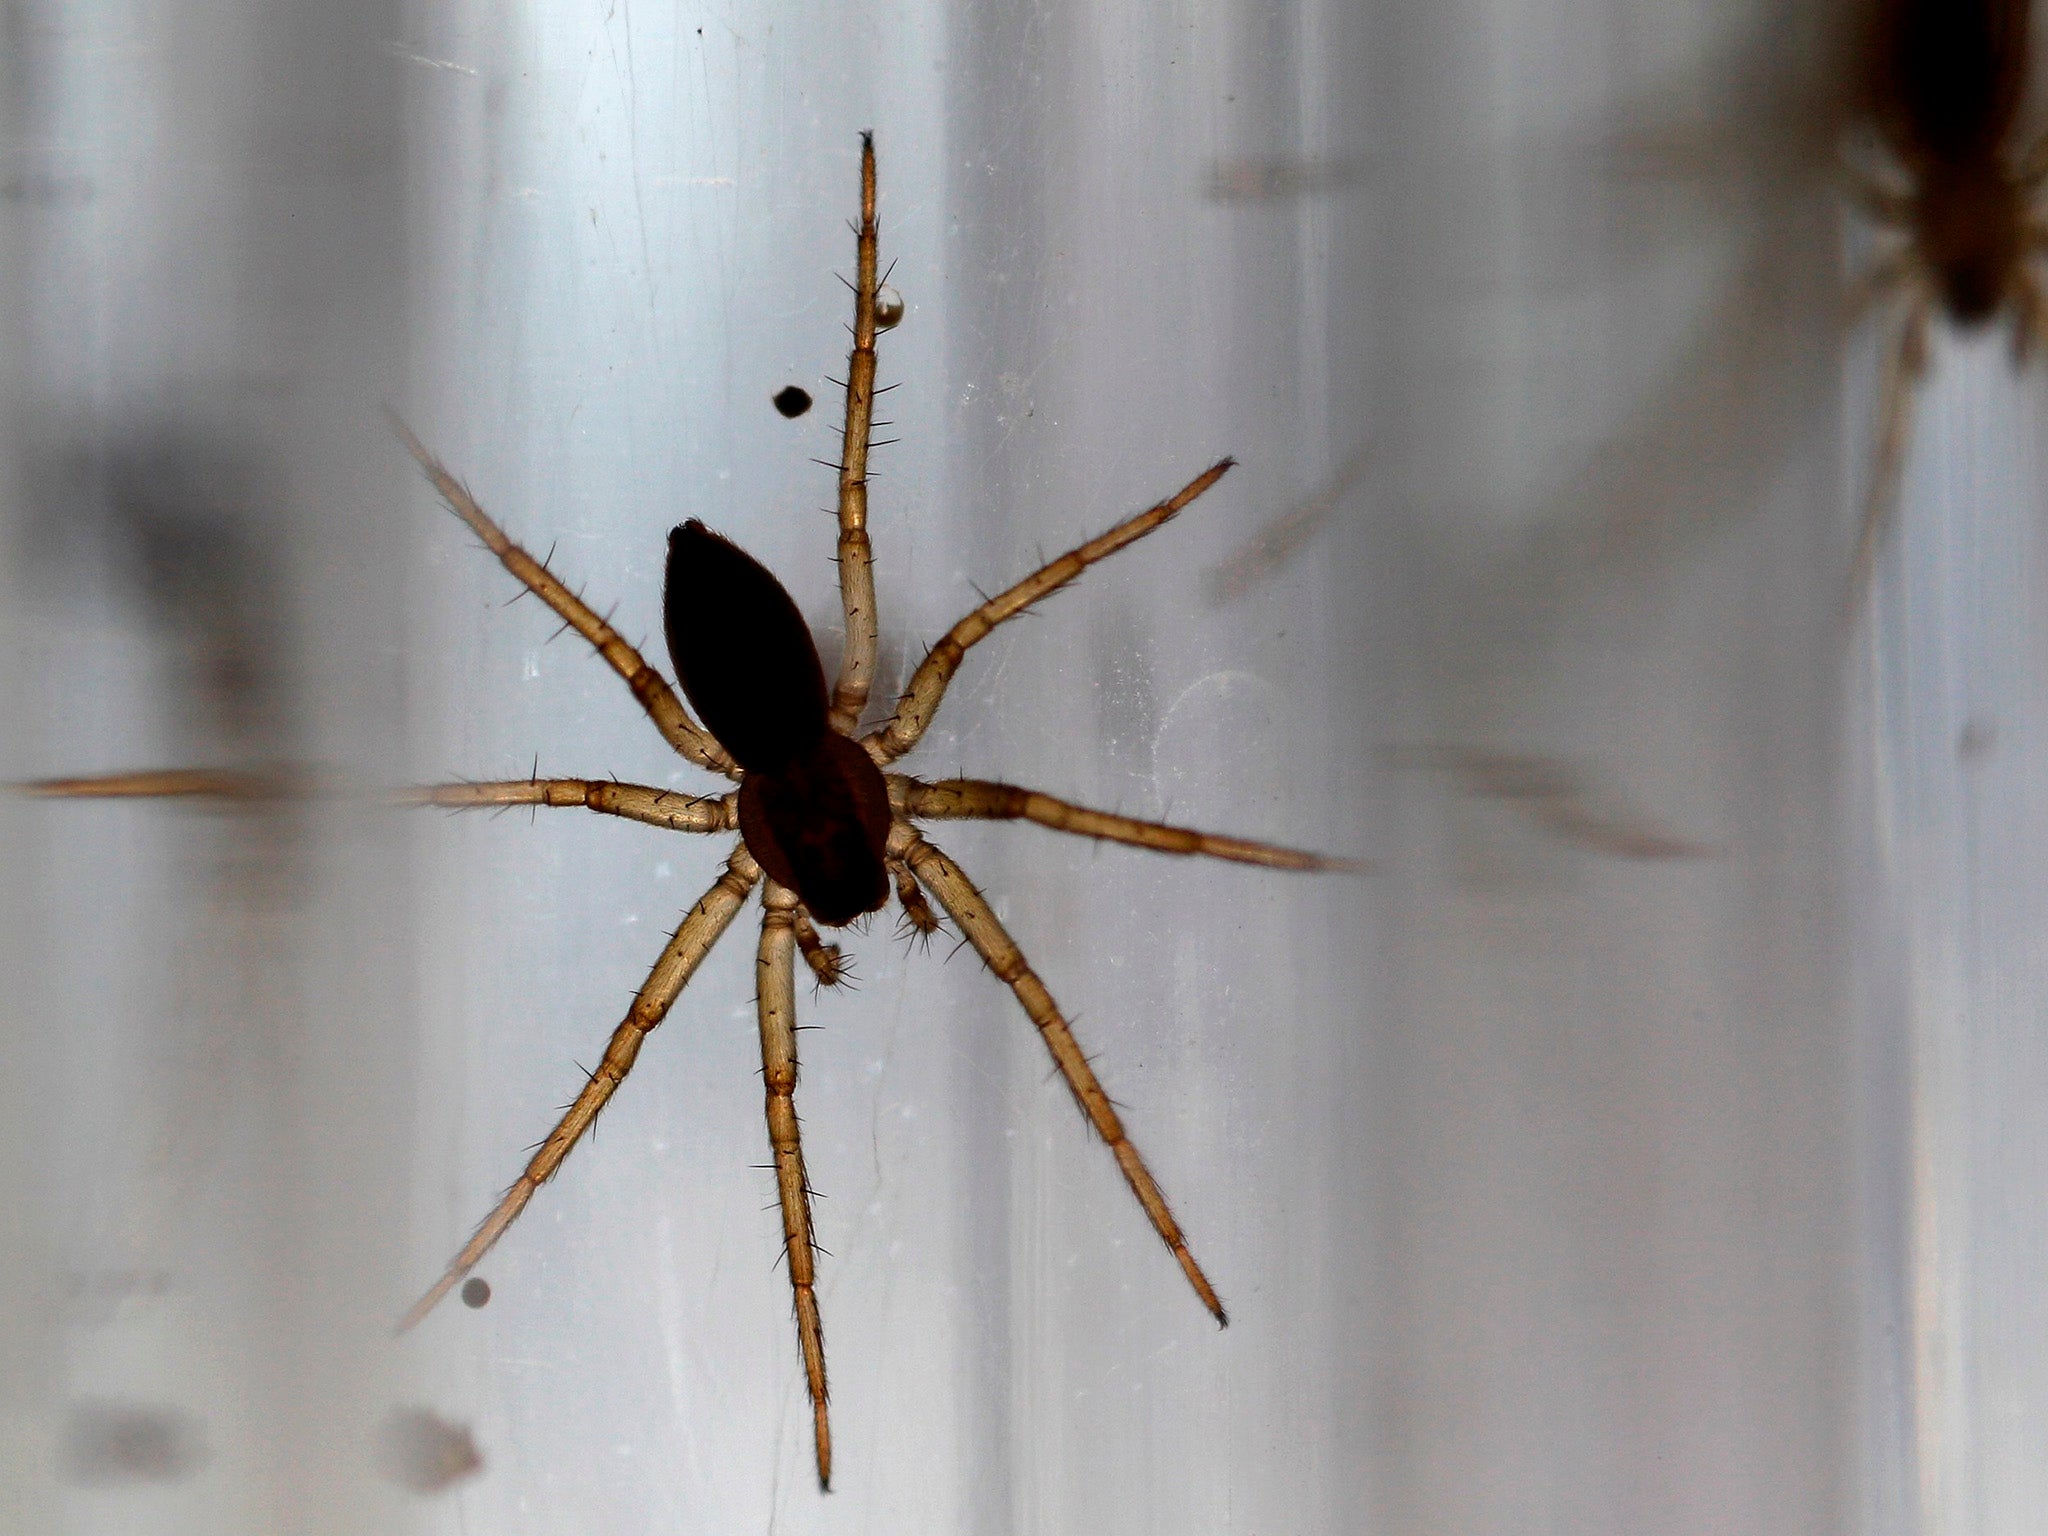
(1920, 114)
(1954, 189)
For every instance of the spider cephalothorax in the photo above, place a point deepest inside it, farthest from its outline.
(824, 830)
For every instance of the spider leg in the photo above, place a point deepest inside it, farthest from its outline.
(856, 555)
(1281, 539)
(828, 965)
(1881, 204)
(686, 949)
(917, 912)
(656, 697)
(636, 802)
(1882, 278)
(167, 784)
(1902, 372)
(774, 978)
(928, 684)
(977, 920)
(982, 800)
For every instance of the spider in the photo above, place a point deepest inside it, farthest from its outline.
(825, 831)
(1954, 194)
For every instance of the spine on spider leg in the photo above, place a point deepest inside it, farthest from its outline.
(856, 555)
(173, 784)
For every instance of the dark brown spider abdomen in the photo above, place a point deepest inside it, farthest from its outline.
(742, 651)
(813, 807)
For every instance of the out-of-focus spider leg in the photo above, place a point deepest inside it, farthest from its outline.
(636, 802)
(165, 784)
(1902, 372)
(828, 965)
(856, 556)
(1891, 207)
(928, 684)
(1281, 539)
(656, 697)
(978, 921)
(1892, 273)
(2033, 303)
(685, 950)
(983, 800)
(2027, 316)
(774, 978)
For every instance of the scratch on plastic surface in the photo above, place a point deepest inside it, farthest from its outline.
(625, 15)
(406, 55)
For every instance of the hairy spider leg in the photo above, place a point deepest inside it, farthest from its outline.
(920, 701)
(856, 555)
(984, 800)
(828, 965)
(774, 979)
(680, 957)
(635, 802)
(977, 920)
(918, 918)
(649, 687)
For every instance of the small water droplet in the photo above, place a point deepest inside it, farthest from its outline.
(888, 308)
(476, 1292)
(793, 400)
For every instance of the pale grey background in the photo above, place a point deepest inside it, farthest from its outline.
(1549, 1191)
